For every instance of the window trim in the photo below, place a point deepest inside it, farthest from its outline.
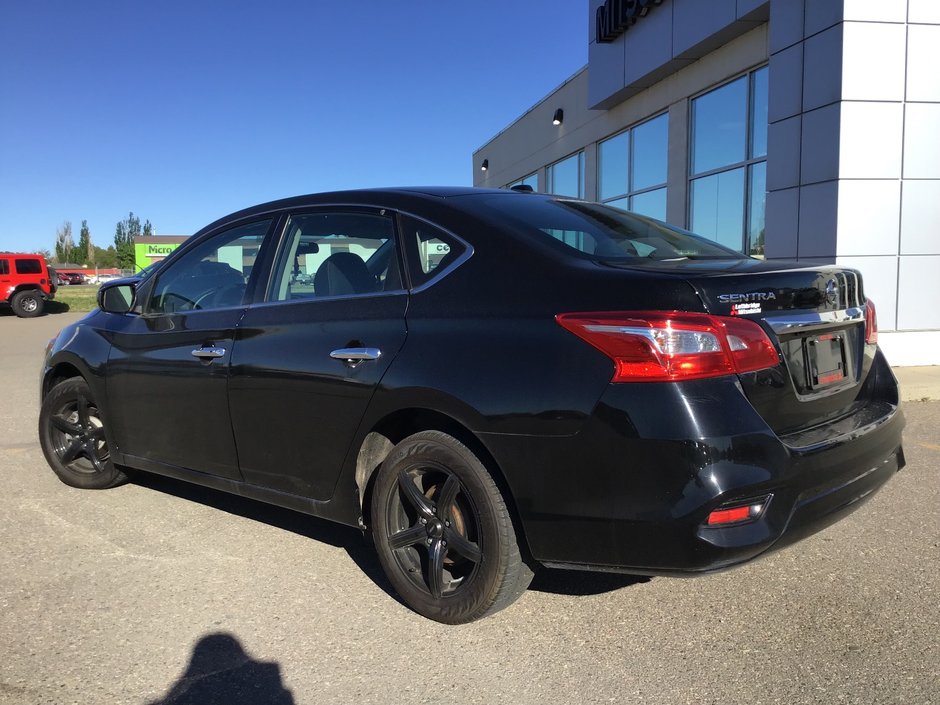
(409, 250)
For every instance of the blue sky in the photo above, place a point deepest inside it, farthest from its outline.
(185, 111)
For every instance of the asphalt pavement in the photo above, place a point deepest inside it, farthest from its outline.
(158, 592)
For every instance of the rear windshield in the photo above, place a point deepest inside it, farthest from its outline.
(601, 232)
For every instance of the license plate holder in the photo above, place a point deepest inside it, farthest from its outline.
(825, 359)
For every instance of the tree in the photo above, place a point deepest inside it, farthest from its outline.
(106, 259)
(84, 252)
(124, 233)
(148, 229)
(63, 242)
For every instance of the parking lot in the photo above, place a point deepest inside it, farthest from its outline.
(158, 592)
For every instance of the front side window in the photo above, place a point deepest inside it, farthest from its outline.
(729, 163)
(566, 178)
(4, 266)
(212, 275)
(327, 254)
(631, 171)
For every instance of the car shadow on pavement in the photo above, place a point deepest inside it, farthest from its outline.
(350, 539)
(221, 673)
(359, 547)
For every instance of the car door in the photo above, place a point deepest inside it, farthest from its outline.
(308, 358)
(169, 366)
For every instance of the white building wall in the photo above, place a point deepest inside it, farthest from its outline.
(853, 166)
(854, 157)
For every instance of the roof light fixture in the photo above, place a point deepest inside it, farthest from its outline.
(485, 165)
(559, 117)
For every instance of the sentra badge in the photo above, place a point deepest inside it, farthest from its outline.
(752, 297)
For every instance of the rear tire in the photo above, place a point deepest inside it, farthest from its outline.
(72, 437)
(27, 304)
(443, 533)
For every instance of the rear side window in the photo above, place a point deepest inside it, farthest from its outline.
(4, 266)
(431, 251)
(28, 266)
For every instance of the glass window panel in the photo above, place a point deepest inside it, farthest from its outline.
(650, 147)
(612, 166)
(622, 203)
(759, 114)
(212, 275)
(337, 254)
(757, 200)
(530, 180)
(651, 203)
(565, 177)
(718, 207)
(719, 127)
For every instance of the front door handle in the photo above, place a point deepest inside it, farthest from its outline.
(354, 355)
(208, 353)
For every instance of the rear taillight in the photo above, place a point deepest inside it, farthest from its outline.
(871, 323)
(664, 346)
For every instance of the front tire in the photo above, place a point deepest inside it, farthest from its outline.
(72, 436)
(443, 533)
(27, 304)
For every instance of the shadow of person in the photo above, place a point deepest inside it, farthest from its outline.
(221, 673)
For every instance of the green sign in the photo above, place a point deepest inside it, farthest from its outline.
(147, 253)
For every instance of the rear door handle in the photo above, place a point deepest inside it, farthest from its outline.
(350, 355)
(208, 353)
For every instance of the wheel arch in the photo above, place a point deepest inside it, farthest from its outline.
(398, 425)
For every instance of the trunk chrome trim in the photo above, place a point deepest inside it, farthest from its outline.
(815, 320)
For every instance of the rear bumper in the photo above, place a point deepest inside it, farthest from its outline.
(632, 491)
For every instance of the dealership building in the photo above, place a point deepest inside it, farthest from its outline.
(803, 130)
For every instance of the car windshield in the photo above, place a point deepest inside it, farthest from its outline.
(602, 232)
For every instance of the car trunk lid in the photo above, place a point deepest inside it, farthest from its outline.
(815, 316)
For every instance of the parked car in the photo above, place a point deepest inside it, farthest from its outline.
(487, 382)
(26, 283)
(102, 278)
(63, 279)
(73, 277)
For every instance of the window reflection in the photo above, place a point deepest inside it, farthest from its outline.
(651, 203)
(650, 149)
(728, 163)
(632, 166)
(718, 207)
(566, 178)
(530, 180)
(757, 201)
(719, 127)
(612, 161)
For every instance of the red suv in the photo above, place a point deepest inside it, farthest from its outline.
(26, 282)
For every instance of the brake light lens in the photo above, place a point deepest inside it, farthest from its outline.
(871, 323)
(666, 346)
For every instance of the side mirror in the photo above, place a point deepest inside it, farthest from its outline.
(116, 297)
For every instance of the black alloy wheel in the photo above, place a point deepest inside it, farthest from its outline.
(27, 303)
(443, 533)
(72, 436)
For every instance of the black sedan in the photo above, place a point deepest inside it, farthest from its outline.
(488, 382)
